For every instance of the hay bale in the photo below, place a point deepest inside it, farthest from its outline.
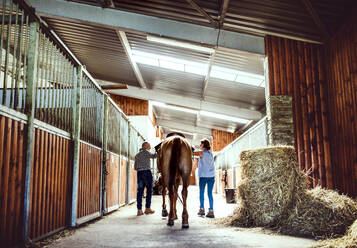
(270, 183)
(320, 213)
(273, 193)
(347, 241)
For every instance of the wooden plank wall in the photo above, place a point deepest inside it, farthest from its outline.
(131, 106)
(296, 69)
(89, 180)
(122, 194)
(341, 68)
(112, 186)
(221, 139)
(133, 182)
(323, 83)
(12, 178)
(50, 204)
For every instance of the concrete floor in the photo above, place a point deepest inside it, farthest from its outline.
(124, 229)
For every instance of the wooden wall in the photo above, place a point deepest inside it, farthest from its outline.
(323, 84)
(131, 106)
(112, 186)
(296, 69)
(12, 179)
(89, 180)
(50, 204)
(122, 181)
(341, 68)
(133, 182)
(221, 139)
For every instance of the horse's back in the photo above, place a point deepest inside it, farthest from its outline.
(176, 154)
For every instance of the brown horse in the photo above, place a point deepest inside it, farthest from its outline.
(174, 161)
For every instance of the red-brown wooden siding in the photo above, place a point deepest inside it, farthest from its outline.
(341, 68)
(112, 181)
(323, 84)
(122, 195)
(221, 139)
(12, 178)
(50, 204)
(88, 181)
(133, 182)
(295, 69)
(131, 106)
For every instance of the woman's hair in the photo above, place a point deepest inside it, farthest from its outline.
(206, 144)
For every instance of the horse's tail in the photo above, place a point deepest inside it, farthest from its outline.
(174, 161)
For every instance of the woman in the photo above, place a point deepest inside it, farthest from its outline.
(206, 173)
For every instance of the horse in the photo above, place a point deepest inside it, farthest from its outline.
(174, 161)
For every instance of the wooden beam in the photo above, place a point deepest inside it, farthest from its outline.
(223, 12)
(203, 12)
(323, 28)
(124, 40)
(114, 87)
(205, 82)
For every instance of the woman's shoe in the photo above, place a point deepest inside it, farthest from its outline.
(201, 212)
(210, 214)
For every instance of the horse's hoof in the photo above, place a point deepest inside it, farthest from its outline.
(164, 213)
(170, 223)
(184, 226)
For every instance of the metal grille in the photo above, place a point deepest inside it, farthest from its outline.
(14, 46)
(124, 137)
(133, 143)
(113, 129)
(55, 74)
(92, 101)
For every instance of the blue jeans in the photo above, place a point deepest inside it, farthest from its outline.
(144, 179)
(210, 182)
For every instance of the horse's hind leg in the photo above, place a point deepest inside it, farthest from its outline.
(184, 199)
(177, 182)
(164, 211)
(171, 214)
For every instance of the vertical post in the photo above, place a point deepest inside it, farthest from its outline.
(104, 155)
(119, 149)
(76, 121)
(127, 200)
(31, 83)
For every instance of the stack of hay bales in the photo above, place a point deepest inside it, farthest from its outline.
(273, 193)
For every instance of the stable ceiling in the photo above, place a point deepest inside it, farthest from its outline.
(103, 34)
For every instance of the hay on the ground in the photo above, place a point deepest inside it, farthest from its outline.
(347, 241)
(320, 213)
(273, 193)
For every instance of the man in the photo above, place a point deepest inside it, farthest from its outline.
(144, 177)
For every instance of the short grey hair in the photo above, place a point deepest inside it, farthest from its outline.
(145, 144)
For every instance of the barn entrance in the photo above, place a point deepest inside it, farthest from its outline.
(84, 83)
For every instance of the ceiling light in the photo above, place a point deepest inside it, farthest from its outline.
(164, 105)
(182, 44)
(224, 117)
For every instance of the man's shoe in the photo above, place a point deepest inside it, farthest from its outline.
(210, 214)
(201, 212)
(149, 211)
(140, 212)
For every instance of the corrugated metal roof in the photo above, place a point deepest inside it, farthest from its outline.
(139, 42)
(219, 90)
(171, 81)
(261, 17)
(98, 48)
(239, 60)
